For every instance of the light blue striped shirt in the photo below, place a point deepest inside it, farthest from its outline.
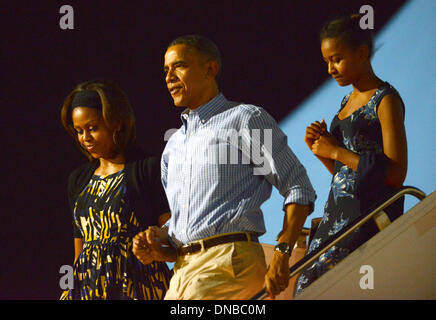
(219, 167)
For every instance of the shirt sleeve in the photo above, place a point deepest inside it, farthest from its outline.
(274, 159)
(164, 176)
(164, 171)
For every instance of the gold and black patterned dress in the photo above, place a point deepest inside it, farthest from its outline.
(106, 267)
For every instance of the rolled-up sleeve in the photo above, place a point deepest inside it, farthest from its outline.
(276, 161)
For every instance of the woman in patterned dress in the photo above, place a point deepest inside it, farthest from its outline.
(365, 149)
(112, 197)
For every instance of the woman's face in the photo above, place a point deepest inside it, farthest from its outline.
(93, 133)
(345, 64)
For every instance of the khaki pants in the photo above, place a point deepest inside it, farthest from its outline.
(229, 271)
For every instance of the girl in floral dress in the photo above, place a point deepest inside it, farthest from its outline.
(365, 149)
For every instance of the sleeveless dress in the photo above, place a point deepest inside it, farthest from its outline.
(353, 193)
(106, 267)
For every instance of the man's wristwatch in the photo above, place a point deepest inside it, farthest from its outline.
(283, 248)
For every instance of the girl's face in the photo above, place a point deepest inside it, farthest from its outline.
(93, 133)
(345, 64)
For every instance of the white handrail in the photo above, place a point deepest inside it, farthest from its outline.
(406, 190)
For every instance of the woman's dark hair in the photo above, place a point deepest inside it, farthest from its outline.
(203, 45)
(348, 29)
(115, 109)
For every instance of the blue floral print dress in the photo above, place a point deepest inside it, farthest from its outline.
(352, 192)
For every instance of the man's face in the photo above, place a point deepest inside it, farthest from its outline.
(186, 76)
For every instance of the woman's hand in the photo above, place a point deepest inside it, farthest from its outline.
(314, 131)
(320, 141)
(148, 246)
(325, 146)
(156, 238)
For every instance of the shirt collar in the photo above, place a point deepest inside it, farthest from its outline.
(207, 110)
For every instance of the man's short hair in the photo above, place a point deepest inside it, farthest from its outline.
(203, 45)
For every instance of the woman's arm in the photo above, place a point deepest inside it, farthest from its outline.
(328, 163)
(391, 116)
(327, 146)
(164, 217)
(78, 247)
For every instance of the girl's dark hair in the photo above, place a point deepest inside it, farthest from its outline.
(115, 110)
(348, 29)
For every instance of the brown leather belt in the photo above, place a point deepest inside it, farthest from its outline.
(196, 246)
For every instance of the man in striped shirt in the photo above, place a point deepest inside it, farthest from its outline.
(217, 170)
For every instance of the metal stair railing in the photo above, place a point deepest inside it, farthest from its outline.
(377, 214)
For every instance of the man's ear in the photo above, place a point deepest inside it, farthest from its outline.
(212, 69)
